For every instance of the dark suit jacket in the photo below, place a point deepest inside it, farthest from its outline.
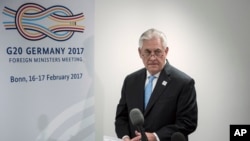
(171, 108)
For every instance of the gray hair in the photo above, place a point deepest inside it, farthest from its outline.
(153, 33)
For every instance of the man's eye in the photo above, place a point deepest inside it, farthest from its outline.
(147, 52)
(157, 52)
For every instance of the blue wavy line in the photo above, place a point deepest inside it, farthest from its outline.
(9, 15)
(8, 22)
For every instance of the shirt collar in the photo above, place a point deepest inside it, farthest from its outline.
(156, 75)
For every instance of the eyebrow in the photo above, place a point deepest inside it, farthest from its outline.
(153, 50)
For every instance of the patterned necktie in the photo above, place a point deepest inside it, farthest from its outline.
(148, 90)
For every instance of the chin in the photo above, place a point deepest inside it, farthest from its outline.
(153, 71)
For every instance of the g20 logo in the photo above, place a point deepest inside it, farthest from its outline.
(35, 22)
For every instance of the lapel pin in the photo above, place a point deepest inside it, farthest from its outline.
(164, 83)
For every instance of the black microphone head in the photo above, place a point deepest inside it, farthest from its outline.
(136, 117)
(178, 136)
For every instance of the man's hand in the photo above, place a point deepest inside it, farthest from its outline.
(126, 139)
(150, 136)
(138, 136)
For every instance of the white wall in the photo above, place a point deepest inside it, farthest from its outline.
(208, 39)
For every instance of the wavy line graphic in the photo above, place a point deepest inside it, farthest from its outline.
(35, 22)
(86, 124)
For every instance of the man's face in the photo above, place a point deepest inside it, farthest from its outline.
(153, 55)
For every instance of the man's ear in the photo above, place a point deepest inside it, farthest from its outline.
(139, 51)
(166, 50)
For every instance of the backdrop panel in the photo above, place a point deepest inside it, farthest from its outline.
(46, 62)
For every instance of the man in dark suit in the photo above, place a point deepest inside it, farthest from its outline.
(172, 106)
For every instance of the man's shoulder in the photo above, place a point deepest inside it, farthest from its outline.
(177, 73)
(137, 73)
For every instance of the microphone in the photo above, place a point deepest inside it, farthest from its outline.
(178, 136)
(137, 120)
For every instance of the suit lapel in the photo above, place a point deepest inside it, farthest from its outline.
(140, 88)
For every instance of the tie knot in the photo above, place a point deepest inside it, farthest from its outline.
(151, 78)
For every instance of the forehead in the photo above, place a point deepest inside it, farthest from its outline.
(154, 43)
